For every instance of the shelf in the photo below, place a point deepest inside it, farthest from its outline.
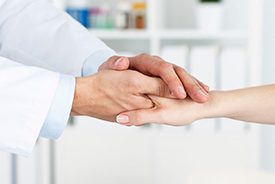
(169, 35)
(121, 34)
(202, 35)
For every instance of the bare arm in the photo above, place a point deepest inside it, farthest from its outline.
(251, 104)
(255, 104)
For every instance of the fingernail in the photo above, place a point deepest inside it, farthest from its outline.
(117, 63)
(202, 92)
(181, 90)
(122, 119)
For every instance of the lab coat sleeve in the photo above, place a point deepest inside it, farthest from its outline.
(34, 33)
(60, 109)
(26, 95)
(94, 61)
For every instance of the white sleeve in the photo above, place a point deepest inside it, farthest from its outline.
(26, 95)
(34, 33)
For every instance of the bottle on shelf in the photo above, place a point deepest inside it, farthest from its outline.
(79, 9)
(104, 17)
(123, 15)
(94, 13)
(139, 15)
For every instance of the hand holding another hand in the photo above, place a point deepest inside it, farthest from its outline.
(180, 83)
(108, 93)
(123, 85)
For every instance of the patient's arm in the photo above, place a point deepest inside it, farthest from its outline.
(251, 104)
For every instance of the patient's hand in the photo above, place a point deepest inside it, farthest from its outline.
(254, 104)
(166, 111)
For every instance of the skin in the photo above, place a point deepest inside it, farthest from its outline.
(123, 84)
(108, 93)
(255, 104)
(180, 83)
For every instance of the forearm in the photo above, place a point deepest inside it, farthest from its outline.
(251, 104)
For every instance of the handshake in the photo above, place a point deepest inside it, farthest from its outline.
(140, 90)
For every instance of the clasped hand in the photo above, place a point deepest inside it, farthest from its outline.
(136, 90)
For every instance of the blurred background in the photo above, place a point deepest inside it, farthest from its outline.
(228, 44)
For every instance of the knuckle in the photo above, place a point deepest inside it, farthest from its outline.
(143, 55)
(169, 66)
(165, 68)
(164, 65)
(180, 70)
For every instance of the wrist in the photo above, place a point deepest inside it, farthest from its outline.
(83, 87)
(213, 108)
(77, 97)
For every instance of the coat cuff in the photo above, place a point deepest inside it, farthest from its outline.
(93, 62)
(60, 109)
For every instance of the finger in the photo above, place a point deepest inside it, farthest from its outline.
(194, 90)
(115, 63)
(170, 77)
(155, 66)
(154, 86)
(142, 102)
(139, 117)
(204, 86)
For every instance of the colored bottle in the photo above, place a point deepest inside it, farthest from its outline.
(79, 9)
(104, 19)
(139, 15)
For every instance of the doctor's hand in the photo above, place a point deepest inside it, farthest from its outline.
(179, 82)
(166, 111)
(107, 93)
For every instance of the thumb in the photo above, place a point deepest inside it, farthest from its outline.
(139, 117)
(115, 63)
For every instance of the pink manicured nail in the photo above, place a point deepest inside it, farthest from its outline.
(122, 119)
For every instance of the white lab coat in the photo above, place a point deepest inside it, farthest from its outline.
(34, 35)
